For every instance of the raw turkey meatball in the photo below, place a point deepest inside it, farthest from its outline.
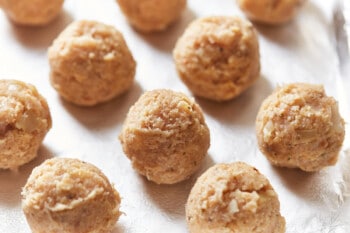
(24, 121)
(152, 15)
(69, 196)
(218, 57)
(233, 198)
(273, 12)
(91, 63)
(31, 12)
(298, 125)
(165, 136)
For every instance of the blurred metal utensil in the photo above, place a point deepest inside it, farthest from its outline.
(342, 38)
(341, 27)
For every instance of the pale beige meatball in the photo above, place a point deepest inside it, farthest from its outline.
(152, 15)
(273, 12)
(32, 12)
(69, 196)
(24, 121)
(165, 136)
(90, 63)
(233, 198)
(218, 57)
(298, 125)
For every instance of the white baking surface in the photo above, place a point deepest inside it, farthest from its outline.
(302, 51)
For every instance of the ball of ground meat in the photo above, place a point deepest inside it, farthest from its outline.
(298, 125)
(31, 12)
(152, 15)
(233, 198)
(270, 11)
(24, 121)
(90, 63)
(69, 196)
(218, 57)
(165, 136)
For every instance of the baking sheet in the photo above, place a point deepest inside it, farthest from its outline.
(302, 51)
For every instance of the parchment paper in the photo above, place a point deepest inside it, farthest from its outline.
(302, 51)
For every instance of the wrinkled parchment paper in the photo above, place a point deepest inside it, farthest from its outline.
(302, 51)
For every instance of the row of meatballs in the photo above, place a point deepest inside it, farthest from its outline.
(149, 15)
(297, 126)
(217, 57)
(166, 138)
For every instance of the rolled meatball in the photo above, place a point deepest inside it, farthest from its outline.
(24, 121)
(69, 196)
(165, 136)
(218, 57)
(31, 12)
(273, 12)
(152, 15)
(91, 63)
(233, 198)
(299, 126)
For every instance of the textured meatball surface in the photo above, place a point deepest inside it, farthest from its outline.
(165, 136)
(152, 15)
(31, 12)
(233, 198)
(91, 63)
(298, 125)
(24, 121)
(218, 57)
(69, 196)
(273, 12)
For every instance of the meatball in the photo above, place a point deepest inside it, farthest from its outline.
(165, 136)
(90, 63)
(24, 121)
(152, 15)
(298, 125)
(31, 12)
(230, 198)
(69, 196)
(218, 57)
(270, 11)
